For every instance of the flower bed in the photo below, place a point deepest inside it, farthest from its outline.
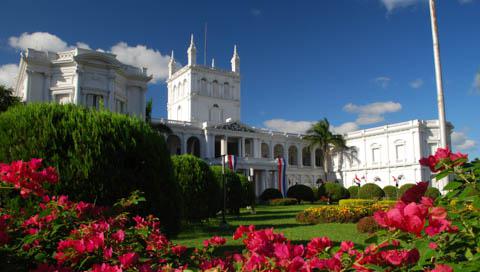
(365, 202)
(339, 214)
(48, 233)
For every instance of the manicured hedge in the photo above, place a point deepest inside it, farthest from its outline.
(391, 192)
(282, 201)
(370, 191)
(367, 225)
(404, 188)
(101, 156)
(270, 193)
(353, 191)
(194, 178)
(234, 189)
(432, 192)
(333, 191)
(248, 191)
(301, 193)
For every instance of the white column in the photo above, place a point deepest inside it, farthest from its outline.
(78, 83)
(242, 153)
(209, 145)
(312, 157)
(285, 152)
(28, 87)
(224, 145)
(46, 87)
(111, 92)
(257, 148)
(272, 154)
(299, 156)
(184, 144)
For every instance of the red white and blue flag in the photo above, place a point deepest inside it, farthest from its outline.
(282, 180)
(232, 162)
(357, 180)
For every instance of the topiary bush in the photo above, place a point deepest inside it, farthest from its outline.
(234, 189)
(367, 225)
(300, 192)
(333, 191)
(353, 191)
(433, 193)
(391, 192)
(194, 178)
(101, 156)
(404, 188)
(248, 191)
(370, 191)
(282, 201)
(270, 193)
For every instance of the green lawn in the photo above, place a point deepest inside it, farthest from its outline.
(281, 218)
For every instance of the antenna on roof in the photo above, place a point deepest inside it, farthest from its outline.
(205, 46)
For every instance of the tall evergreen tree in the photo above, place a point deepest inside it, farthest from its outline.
(7, 99)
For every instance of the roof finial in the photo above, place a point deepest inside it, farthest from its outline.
(213, 62)
(192, 44)
(172, 57)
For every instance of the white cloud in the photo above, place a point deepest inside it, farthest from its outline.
(382, 81)
(8, 74)
(461, 142)
(141, 56)
(372, 113)
(43, 41)
(390, 5)
(417, 83)
(369, 119)
(288, 126)
(345, 128)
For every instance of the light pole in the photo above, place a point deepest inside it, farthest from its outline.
(251, 178)
(224, 206)
(439, 83)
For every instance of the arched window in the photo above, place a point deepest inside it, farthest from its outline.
(203, 86)
(376, 153)
(292, 155)
(174, 92)
(174, 144)
(216, 91)
(306, 156)
(216, 114)
(179, 113)
(180, 89)
(193, 146)
(318, 157)
(399, 150)
(354, 156)
(265, 151)
(278, 151)
(184, 88)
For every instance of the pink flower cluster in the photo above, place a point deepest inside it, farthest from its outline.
(27, 176)
(412, 213)
(442, 155)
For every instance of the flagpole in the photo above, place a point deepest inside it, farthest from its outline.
(438, 76)
(439, 83)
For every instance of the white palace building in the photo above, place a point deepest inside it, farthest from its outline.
(203, 107)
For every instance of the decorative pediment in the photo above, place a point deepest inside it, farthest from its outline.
(235, 126)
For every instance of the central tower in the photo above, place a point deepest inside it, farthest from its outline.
(198, 93)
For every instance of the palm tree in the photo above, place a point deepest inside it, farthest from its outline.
(320, 136)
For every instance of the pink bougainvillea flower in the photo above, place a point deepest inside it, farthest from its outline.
(432, 245)
(106, 268)
(442, 268)
(128, 259)
(119, 235)
(415, 193)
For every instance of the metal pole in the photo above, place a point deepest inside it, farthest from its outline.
(438, 76)
(224, 221)
(438, 79)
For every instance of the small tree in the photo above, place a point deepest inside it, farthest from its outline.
(7, 99)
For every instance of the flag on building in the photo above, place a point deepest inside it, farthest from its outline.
(282, 182)
(357, 180)
(232, 162)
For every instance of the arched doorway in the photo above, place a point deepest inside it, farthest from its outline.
(193, 146)
(292, 155)
(174, 145)
(278, 151)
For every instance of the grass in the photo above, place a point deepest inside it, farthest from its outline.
(281, 218)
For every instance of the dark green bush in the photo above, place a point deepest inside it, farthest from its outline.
(248, 191)
(391, 192)
(194, 178)
(333, 191)
(404, 188)
(270, 193)
(300, 192)
(353, 190)
(101, 156)
(433, 193)
(370, 191)
(234, 189)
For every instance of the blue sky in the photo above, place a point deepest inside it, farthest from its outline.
(360, 63)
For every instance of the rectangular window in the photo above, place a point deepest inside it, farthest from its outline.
(94, 101)
(400, 152)
(119, 106)
(376, 155)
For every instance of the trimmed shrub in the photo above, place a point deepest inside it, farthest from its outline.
(234, 189)
(282, 201)
(333, 191)
(404, 188)
(300, 192)
(101, 156)
(370, 191)
(270, 193)
(364, 202)
(391, 192)
(248, 191)
(353, 191)
(367, 225)
(433, 193)
(194, 178)
(338, 214)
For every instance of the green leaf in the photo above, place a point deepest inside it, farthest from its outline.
(371, 240)
(452, 185)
